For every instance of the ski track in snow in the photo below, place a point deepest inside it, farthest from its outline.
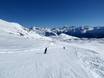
(30, 62)
(42, 64)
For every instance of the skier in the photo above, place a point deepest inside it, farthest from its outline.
(45, 51)
(21, 34)
(64, 48)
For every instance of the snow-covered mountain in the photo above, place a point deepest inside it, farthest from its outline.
(44, 31)
(13, 28)
(18, 30)
(65, 37)
(50, 33)
(24, 57)
(81, 32)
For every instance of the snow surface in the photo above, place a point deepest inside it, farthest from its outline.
(23, 57)
(65, 37)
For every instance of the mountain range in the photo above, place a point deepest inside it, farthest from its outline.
(81, 32)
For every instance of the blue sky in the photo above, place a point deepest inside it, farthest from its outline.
(56, 12)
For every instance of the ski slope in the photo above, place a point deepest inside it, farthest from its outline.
(23, 57)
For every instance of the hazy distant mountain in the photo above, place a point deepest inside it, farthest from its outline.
(81, 32)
